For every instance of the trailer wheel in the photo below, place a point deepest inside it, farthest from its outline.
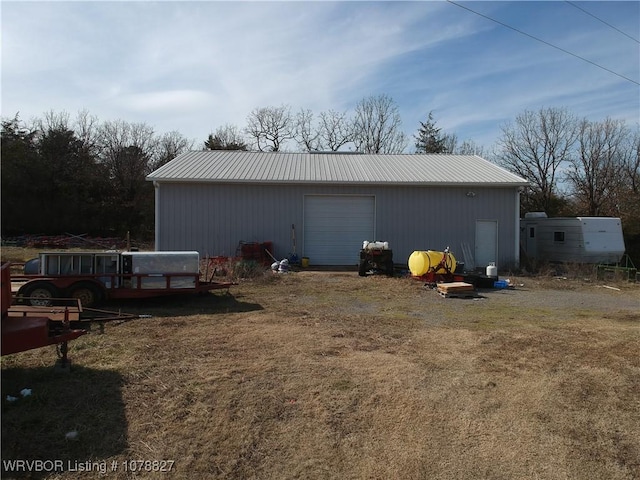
(88, 293)
(40, 294)
(362, 269)
(389, 268)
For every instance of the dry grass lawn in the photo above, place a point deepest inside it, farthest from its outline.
(321, 375)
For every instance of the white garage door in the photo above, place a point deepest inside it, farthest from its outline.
(335, 227)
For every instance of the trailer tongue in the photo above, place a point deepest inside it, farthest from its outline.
(26, 327)
(24, 330)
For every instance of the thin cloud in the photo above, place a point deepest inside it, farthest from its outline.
(166, 101)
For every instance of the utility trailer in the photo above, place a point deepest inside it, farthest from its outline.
(93, 277)
(572, 239)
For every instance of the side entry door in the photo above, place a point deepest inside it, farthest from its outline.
(486, 242)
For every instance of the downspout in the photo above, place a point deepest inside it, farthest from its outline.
(517, 235)
(156, 214)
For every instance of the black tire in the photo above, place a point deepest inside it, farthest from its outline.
(389, 269)
(88, 293)
(362, 269)
(40, 294)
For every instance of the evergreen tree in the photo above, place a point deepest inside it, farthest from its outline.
(429, 139)
(20, 176)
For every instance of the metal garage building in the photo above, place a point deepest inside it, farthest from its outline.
(211, 201)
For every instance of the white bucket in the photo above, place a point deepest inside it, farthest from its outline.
(492, 270)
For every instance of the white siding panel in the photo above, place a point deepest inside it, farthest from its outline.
(335, 227)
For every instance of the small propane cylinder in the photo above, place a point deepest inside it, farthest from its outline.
(492, 270)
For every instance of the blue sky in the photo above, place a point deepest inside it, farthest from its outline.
(194, 66)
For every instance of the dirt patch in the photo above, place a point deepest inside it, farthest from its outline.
(332, 375)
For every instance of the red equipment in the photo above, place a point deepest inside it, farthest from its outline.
(445, 274)
(27, 328)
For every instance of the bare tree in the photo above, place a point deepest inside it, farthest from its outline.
(270, 127)
(335, 130)
(127, 150)
(227, 137)
(53, 121)
(631, 160)
(594, 174)
(628, 197)
(86, 127)
(450, 142)
(469, 147)
(377, 126)
(535, 147)
(306, 134)
(168, 147)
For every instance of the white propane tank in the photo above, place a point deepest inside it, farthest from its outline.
(492, 270)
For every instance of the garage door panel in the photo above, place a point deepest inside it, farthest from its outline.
(339, 230)
(335, 227)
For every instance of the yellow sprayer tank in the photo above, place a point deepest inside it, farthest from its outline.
(422, 262)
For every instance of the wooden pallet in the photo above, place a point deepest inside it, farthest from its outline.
(456, 290)
(450, 287)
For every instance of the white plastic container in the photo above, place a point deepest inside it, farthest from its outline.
(375, 245)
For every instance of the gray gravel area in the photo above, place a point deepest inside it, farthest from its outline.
(570, 295)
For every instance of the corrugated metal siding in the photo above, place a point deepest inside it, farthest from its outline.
(261, 167)
(433, 218)
(213, 219)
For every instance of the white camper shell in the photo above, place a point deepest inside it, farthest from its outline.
(572, 239)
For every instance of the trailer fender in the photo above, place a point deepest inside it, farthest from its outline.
(38, 293)
(89, 293)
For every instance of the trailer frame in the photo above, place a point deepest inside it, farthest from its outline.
(92, 285)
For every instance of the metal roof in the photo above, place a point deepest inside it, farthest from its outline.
(219, 166)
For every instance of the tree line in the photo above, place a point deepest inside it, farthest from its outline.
(84, 175)
(374, 126)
